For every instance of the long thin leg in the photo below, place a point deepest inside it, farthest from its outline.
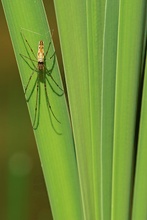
(53, 89)
(36, 105)
(28, 82)
(56, 83)
(52, 55)
(26, 57)
(23, 56)
(49, 44)
(34, 68)
(48, 72)
(48, 49)
(28, 44)
(48, 102)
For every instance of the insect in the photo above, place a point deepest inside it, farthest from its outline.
(42, 73)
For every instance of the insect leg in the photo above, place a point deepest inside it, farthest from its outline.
(49, 44)
(28, 44)
(36, 105)
(28, 82)
(48, 102)
(23, 56)
(48, 49)
(56, 83)
(48, 72)
(53, 55)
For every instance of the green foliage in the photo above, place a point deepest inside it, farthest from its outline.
(54, 140)
(89, 166)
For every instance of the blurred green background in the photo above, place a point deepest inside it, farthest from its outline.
(22, 188)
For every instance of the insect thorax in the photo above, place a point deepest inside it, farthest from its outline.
(41, 66)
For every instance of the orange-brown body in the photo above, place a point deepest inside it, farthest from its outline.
(40, 55)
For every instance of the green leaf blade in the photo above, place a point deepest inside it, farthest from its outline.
(54, 140)
(129, 53)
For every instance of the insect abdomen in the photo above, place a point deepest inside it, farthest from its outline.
(40, 55)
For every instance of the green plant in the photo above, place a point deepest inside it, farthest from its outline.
(54, 140)
(103, 48)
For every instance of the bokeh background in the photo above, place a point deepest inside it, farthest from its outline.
(23, 193)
